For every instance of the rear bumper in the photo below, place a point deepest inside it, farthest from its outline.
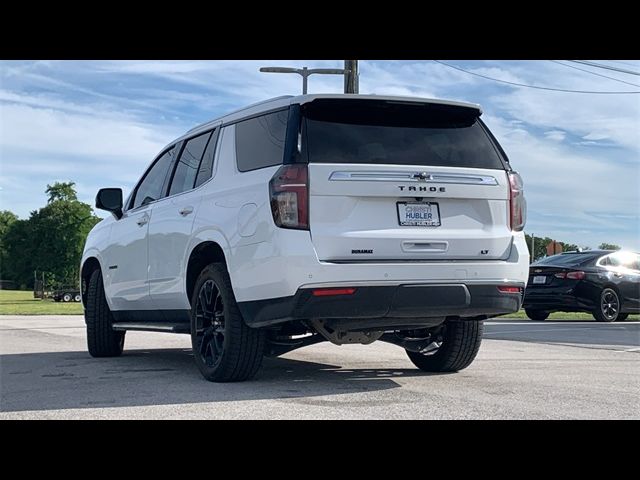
(556, 300)
(388, 305)
(287, 264)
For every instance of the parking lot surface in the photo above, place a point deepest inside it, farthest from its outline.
(525, 370)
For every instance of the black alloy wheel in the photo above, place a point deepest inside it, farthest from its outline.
(608, 309)
(209, 324)
(225, 348)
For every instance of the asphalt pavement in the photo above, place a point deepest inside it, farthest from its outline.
(525, 370)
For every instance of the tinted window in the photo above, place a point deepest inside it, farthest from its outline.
(380, 132)
(188, 164)
(260, 141)
(151, 187)
(206, 166)
(569, 259)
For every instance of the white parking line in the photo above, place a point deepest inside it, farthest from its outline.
(529, 331)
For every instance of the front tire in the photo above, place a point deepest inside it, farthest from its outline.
(538, 315)
(608, 309)
(460, 344)
(66, 297)
(224, 347)
(102, 339)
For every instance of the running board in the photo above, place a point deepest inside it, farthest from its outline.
(168, 327)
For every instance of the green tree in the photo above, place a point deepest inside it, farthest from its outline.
(7, 219)
(608, 246)
(52, 239)
(569, 247)
(61, 191)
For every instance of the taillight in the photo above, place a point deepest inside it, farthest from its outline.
(289, 190)
(579, 275)
(517, 202)
(506, 289)
(330, 292)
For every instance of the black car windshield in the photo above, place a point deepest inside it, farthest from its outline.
(569, 259)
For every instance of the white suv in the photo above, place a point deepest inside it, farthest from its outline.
(347, 218)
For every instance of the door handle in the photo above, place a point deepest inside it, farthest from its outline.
(185, 211)
(142, 221)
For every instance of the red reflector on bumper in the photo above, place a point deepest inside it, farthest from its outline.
(327, 292)
(509, 289)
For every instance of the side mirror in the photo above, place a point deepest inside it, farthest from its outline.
(110, 199)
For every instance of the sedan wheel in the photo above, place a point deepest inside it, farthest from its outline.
(609, 306)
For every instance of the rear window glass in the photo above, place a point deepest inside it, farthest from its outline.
(569, 259)
(378, 132)
(260, 141)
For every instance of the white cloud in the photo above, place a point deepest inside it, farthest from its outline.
(595, 136)
(555, 135)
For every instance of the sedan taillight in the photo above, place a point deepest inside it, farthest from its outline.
(517, 202)
(579, 275)
(289, 191)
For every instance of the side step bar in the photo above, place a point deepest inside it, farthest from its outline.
(168, 327)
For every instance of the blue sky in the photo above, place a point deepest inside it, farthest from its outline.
(99, 123)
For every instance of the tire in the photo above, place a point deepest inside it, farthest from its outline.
(460, 344)
(539, 315)
(608, 309)
(224, 347)
(77, 298)
(102, 340)
(66, 297)
(622, 317)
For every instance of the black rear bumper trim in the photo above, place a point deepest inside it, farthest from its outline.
(398, 302)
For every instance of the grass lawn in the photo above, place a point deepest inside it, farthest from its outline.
(565, 316)
(16, 302)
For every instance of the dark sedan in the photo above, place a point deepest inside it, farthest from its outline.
(604, 283)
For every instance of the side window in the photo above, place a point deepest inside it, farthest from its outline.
(260, 141)
(150, 188)
(188, 164)
(206, 165)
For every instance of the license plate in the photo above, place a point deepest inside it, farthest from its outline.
(419, 214)
(539, 279)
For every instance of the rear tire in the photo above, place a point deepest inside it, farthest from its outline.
(77, 298)
(608, 309)
(66, 297)
(538, 315)
(460, 344)
(102, 339)
(224, 347)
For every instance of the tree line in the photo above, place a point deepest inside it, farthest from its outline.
(50, 241)
(540, 246)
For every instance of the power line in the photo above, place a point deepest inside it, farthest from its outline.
(528, 86)
(606, 67)
(594, 73)
(623, 63)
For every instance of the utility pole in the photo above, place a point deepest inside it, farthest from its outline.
(351, 77)
(350, 72)
(304, 72)
(533, 247)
